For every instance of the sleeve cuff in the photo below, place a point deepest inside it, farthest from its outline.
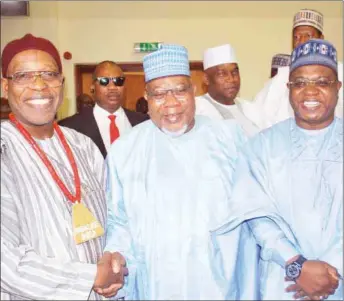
(84, 283)
(284, 250)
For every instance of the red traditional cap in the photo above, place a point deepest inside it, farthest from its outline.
(26, 43)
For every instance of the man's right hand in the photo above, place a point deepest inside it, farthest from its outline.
(318, 278)
(111, 271)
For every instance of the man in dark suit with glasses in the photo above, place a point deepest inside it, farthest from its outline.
(108, 119)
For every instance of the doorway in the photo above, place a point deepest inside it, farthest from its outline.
(134, 83)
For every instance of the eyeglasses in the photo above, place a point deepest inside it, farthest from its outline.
(318, 83)
(179, 93)
(50, 78)
(104, 81)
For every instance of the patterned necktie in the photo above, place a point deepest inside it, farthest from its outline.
(114, 132)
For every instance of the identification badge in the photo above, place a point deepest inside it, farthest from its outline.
(85, 225)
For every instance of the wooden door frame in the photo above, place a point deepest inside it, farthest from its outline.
(79, 69)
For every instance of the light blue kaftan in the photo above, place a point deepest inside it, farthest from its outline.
(289, 182)
(165, 195)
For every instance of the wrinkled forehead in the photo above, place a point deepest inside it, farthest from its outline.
(168, 82)
(32, 60)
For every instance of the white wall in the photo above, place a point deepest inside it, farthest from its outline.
(97, 30)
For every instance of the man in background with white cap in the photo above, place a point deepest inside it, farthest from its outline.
(222, 77)
(278, 61)
(289, 185)
(271, 104)
(161, 213)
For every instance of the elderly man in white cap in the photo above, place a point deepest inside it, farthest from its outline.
(271, 104)
(169, 186)
(278, 61)
(294, 171)
(222, 77)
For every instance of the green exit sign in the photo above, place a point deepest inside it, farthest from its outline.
(147, 47)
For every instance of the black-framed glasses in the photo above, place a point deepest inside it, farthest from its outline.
(50, 78)
(104, 81)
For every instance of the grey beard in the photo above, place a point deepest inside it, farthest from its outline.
(175, 134)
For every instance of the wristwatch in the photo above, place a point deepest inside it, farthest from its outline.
(293, 270)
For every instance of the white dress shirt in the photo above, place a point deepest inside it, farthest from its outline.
(103, 122)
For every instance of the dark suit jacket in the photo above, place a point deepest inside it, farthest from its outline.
(86, 124)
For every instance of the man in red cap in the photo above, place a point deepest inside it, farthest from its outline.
(53, 208)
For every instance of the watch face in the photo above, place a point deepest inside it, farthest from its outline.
(293, 271)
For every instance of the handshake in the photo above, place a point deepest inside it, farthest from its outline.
(111, 270)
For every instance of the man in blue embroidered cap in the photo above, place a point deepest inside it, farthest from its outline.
(271, 104)
(295, 173)
(169, 186)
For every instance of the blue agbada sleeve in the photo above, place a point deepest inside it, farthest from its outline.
(252, 201)
(235, 254)
(118, 237)
(252, 173)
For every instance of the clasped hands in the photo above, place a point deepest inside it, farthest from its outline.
(317, 281)
(111, 270)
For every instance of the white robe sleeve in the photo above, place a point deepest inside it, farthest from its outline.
(268, 102)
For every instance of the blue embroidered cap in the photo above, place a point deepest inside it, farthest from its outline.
(314, 52)
(168, 60)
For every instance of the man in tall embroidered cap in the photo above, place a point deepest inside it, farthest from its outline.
(294, 171)
(278, 61)
(161, 211)
(271, 104)
(53, 208)
(222, 77)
